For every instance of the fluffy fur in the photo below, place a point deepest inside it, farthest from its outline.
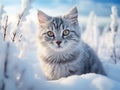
(72, 56)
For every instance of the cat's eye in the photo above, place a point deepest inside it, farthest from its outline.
(50, 34)
(66, 32)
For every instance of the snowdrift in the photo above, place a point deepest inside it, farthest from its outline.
(19, 74)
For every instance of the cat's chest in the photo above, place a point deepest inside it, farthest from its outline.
(60, 65)
(57, 70)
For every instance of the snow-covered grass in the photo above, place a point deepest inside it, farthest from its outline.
(25, 74)
(20, 68)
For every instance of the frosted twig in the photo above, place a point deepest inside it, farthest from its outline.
(114, 27)
(3, 86)
(18, 23)
(26, 5)
(6, 61)
(4, 27)
(5, 67)
(20, 37)
(114, 49)
(1, 11)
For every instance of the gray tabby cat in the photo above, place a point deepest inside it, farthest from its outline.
(62, 53)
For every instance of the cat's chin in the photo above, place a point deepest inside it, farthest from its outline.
(58, 49)
(61, 48)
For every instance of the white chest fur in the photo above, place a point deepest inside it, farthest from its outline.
(61, 64)
(58, 70)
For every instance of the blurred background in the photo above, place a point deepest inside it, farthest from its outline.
(101, 8)
(100, 28)
(99, 21)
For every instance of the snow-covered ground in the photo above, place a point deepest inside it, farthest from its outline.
(25, 74)
(20, 68)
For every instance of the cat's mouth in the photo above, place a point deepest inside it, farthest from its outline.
(59, 46)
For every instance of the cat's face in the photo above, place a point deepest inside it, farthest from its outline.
(59, 33)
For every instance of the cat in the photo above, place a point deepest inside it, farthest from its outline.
(61, 51)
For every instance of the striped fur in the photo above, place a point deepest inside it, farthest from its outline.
(72, 56)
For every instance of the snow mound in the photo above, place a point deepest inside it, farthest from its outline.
(20, 69)
(22, 75)
(85, 82)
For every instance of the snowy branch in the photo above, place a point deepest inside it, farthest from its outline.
(4, 27)
(26, 6)
(5, 66)
(18, 23)
(114, 27)
(6, 61)
(92, 33)
(1, 11)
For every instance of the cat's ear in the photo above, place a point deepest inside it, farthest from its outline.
(72, 15)
(43, 18)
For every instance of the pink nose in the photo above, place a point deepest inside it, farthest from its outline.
(58, 42)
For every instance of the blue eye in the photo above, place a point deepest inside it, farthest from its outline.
(66, 32)
(50, 34)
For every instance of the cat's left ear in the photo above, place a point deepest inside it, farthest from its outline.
(43, 18)
(72, 15)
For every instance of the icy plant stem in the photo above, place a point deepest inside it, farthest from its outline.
(114, 48)
(6, 61)
(5, 66)
(114, 27)
(20, 18)
(18, 23)
(5, 28)
(3, 86)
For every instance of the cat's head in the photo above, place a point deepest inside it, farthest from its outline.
(59, 33)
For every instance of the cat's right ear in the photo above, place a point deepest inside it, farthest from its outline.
(43, 18)
(72, 15)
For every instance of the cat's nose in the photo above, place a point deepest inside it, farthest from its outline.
(58, 42)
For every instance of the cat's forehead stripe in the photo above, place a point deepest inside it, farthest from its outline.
(57, 22)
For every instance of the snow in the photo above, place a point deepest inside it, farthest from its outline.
(92, 32)
(1, 10)
(114, 17)
(84, 82)
(111, 51)
(23, 70)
